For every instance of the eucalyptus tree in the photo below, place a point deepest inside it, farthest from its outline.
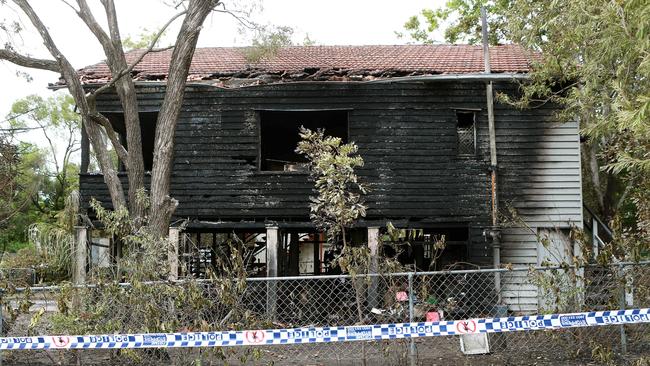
(193, 14)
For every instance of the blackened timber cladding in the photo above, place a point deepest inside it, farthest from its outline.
(406, 133)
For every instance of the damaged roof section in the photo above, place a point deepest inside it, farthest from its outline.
(228, 66)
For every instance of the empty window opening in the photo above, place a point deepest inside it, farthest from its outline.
(279, 135)
(147, 134)
(466, 132)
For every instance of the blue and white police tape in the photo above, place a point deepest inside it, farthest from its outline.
(330, 334)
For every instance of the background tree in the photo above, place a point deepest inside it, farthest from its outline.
(596, 65)
(461, 20)
(20, 182)
(54, 121)
(39, 183)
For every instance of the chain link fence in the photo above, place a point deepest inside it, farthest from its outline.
(18, 276)
(261, 303)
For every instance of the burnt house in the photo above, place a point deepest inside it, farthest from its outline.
(420, 117)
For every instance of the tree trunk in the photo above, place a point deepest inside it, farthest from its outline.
(162, 205)
(126, 90)
(594, 170)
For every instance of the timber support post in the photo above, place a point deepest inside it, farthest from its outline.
(272, 246)
(172, 252)
(80, 255)
(373, 246)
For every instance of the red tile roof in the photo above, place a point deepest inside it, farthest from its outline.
(341, 61)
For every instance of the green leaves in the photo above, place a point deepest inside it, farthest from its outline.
(267, 43)
(595, 65)
(57, 111)
(339, 202)
(143, 40)
(462, 19)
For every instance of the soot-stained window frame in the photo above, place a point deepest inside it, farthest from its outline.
(259, 118)
(474, 112)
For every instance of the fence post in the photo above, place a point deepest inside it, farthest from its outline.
(622, 303)
(373, 246)
(272, 246)
(172, 253)
(594, 237)
(412, 349)
(80, 255)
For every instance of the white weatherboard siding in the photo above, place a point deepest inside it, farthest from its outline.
(539, 177)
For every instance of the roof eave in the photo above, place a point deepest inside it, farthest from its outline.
(421, 78)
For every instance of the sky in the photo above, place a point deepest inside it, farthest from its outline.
(333, 22)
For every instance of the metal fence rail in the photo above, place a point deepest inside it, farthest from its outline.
(286, 302)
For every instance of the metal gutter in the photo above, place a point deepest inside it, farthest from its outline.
(455, 77)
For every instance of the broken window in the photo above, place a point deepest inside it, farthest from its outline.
(147, 132)
(279, 135)
(466, 132)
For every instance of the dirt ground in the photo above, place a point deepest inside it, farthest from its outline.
(341, 354)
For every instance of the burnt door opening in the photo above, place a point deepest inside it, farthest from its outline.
(279, 135)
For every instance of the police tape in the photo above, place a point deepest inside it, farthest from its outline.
(330, 334)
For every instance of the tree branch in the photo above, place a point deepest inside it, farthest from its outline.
(122, 153)
(30, 62)
(113, 28)
(49, 141)
(70, 6)
(242, 20)
(87, 17)
(624, 195)
(139, 59)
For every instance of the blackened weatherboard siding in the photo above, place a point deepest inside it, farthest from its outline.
(406, 133)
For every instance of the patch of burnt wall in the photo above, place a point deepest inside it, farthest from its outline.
(405, 132)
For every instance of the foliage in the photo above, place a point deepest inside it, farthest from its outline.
(463, 22)
(39, 199)
(339, 202)
(144, 254)
(55, 120)
(148, 303)
(22, 174)
(143, 40)
(267, 43)
(50, 248)
(599, 73)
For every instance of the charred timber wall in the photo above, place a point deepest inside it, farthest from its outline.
(406, 133)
